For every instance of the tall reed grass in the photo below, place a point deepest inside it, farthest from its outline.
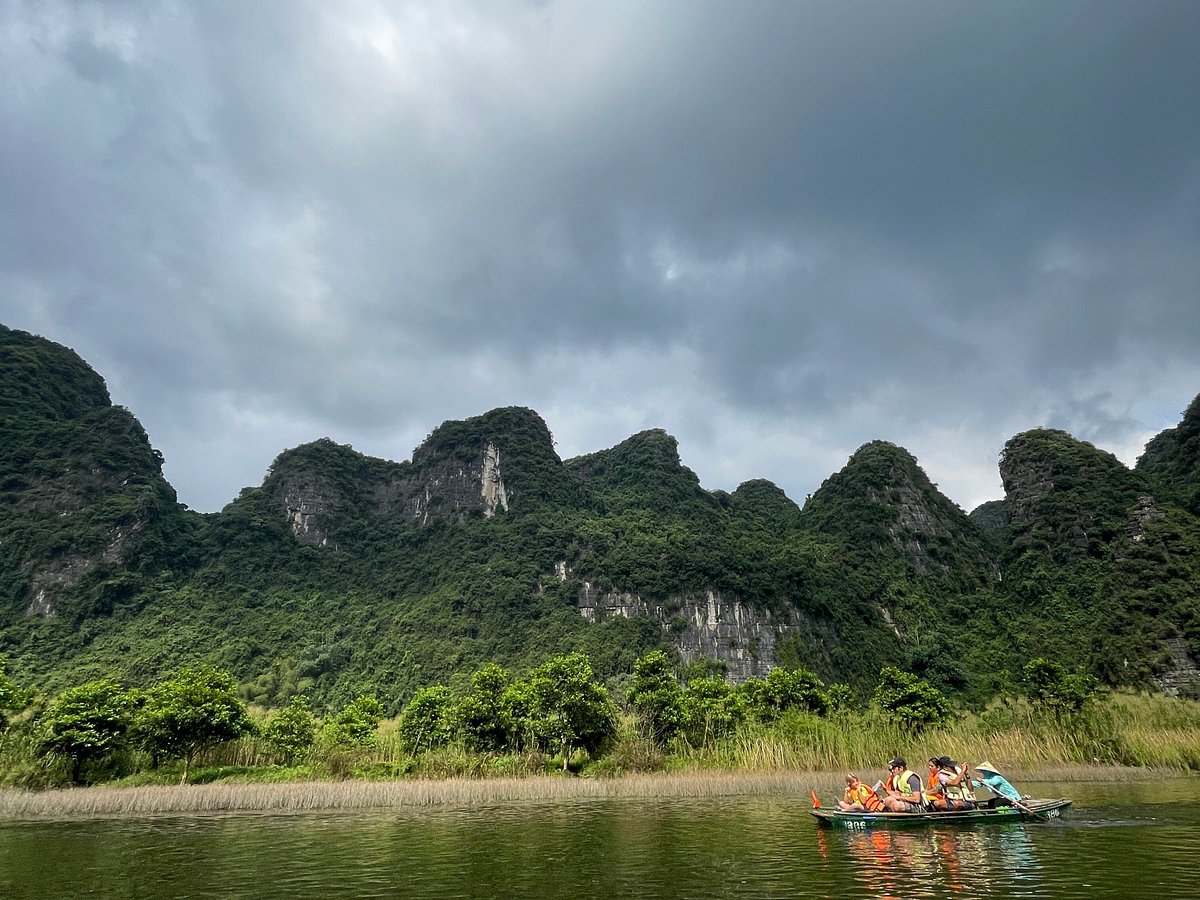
(323, 795)
(1122, 729)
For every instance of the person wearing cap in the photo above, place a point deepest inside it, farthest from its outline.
(951, 788)
(903, 787)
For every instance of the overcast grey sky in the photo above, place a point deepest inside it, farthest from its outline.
(777, 230)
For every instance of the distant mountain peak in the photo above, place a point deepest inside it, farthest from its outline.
(1172, 458)
(84, 494)
(644, 471)
(41, 378)
(882, 499)
(1065, 492)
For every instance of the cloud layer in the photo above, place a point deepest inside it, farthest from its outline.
(777, 230)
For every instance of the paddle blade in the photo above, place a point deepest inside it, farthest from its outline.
(816, 802)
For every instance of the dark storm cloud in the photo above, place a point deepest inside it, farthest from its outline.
(776, 229)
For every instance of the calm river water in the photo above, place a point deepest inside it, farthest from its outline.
(1128, 840)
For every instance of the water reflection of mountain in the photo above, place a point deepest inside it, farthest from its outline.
(935, 861)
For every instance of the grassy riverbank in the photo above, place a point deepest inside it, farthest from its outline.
(1118, 734)
(1134, 730)
(311, 796)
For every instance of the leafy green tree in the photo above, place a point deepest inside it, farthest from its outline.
(197, 709)
(520, 709)
(571, 708)
(291, 731)
(88, 722)
(784, 689)
(1053, 690)
(655, 695)
(485, 723)
(910, 700)
(710, 709)
(428, 720)
(283, 680)
(8, 696)
(356, 723)
(840, 696)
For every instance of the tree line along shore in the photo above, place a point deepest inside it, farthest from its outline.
(686, 724)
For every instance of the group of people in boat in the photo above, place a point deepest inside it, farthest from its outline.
(947, 788)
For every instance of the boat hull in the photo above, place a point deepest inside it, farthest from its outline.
(1034, 810)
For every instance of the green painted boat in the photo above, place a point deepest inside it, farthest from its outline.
(1029, 811)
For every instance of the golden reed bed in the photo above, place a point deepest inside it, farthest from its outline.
(102, 802)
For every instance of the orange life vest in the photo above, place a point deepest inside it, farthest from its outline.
(865, 796)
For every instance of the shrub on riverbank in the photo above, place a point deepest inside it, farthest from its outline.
(561, 719)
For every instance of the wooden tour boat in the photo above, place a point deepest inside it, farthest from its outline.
(1027, 810)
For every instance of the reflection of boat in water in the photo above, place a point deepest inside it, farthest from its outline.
(1029, 810)
(894, 864)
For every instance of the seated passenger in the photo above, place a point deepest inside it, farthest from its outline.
(905, 793)
(859, 796)
(952, 788)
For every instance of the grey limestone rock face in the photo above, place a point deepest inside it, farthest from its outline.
(1024, 489)
(704, 624)
(1183, 677)
(305, 502)
(494, 495)
(914, 522)
(441, 490)
(59, 576)
(1145, 513)
(449, 490)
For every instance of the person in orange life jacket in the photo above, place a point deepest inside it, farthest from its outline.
(905, 793)
(859, 796)
(950, 789)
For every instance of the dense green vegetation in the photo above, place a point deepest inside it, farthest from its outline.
(559, 717)
(1172, 458)
(1099, 570)
(400, 583)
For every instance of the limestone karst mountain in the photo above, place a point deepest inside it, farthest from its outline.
(87, 514)
(342, 573)
(1172, 458)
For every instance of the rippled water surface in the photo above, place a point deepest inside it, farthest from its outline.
(1127, 840)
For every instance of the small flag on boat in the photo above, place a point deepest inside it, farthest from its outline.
(816, 802)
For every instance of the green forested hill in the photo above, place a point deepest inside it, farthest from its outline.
(343, 573)
(1101, 567)
(87, 517)
(909, 558)
(1172, 458)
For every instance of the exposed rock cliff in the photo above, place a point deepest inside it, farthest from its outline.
(703, 625)
(477, 467)
(449, 488)
(1181, 678)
